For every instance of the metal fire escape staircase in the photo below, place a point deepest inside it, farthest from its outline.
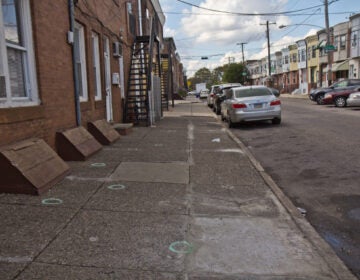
(138, 103)
(165, 81)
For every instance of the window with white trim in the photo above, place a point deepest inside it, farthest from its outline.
(96, 65)
(80, 61)
(342, 42)
(353, 39)
(18, 86)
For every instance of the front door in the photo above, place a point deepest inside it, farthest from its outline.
(107, 74)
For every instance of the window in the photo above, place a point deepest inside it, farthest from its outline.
(96, 65)
(286, 59)
(336, 42)
(313, 51)
(80, 61)
(342, 42)
(303, 55)
(353, 40)
(18, 85)
(131, 19)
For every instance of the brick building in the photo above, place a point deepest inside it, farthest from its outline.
(64, 63)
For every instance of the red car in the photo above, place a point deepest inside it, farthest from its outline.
(338, 98)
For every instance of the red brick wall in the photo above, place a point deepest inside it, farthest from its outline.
(54, 75)
(55, 69)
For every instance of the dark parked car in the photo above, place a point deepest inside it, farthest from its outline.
(210, 98)
(339, 98)
(219, 97)
(317, 95)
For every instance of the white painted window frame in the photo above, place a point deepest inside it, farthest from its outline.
(96, 65)
(83, 96)
(29, 66)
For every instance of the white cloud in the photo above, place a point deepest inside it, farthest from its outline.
(212, 33)
(222, 29)
(168, 32)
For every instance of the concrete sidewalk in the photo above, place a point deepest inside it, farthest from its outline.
(182, 200)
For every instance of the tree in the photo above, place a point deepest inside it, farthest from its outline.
(233, 73)
(217, 75)
(203, 75)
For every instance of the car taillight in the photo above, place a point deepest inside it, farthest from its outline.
(239, 105)
(275, 102)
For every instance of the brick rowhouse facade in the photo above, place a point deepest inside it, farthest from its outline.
(55, 110)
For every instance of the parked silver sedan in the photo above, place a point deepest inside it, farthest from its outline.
(354, 98)
(250, 103)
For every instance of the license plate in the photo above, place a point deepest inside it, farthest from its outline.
(258, 105)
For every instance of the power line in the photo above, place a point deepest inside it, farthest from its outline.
(251, 14)
(211, 14)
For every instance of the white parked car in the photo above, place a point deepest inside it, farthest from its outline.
(354, 98)
(204, 93)
(250, 103)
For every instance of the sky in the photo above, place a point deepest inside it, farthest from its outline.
(203, 32)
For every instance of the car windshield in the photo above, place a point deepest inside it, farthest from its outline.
(340, 84)
(249, 92)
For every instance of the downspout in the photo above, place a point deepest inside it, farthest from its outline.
(140, 18)
(76, 83)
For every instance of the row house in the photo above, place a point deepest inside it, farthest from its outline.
(175, 73)
(293, 68)
(66, 64)
(313, 62)
(340, 57)
(302, 65)
(354, 62)
(285, 76)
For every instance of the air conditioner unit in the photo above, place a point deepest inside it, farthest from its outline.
(117, 49)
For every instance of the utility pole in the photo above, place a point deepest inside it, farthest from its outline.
(268, 45)
(242, 50)
(329, 74)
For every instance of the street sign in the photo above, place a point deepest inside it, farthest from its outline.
(330, 48)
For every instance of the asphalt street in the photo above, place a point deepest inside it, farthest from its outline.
(314, 157)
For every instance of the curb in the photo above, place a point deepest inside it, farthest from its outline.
(321, 246)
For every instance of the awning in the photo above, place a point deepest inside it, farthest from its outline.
(339, 66)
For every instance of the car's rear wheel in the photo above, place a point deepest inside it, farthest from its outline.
(340, 101)
(276, 121)
(320, 99)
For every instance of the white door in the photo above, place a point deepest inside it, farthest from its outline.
(109, 108)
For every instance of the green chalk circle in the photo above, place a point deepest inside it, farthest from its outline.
(181, 247)
(116, 187)
(51, 201)
(98, 164)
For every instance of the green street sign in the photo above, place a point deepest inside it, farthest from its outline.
(244, 73)
(330, 48)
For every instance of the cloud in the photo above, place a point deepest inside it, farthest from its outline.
(214, 33)
(222, 29)
(168, 32)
